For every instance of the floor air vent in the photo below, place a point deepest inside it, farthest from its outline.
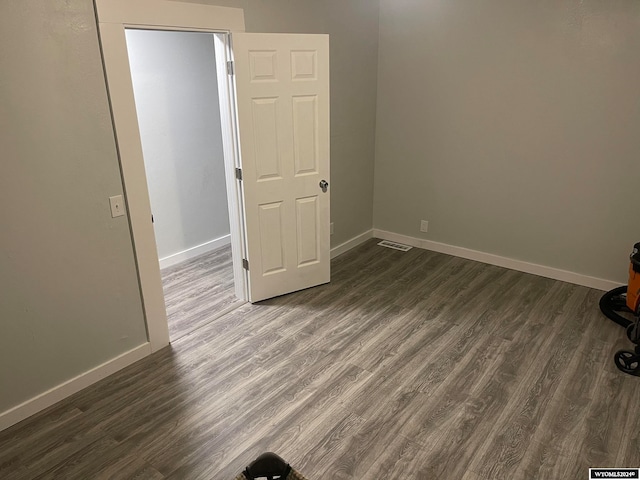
(395, 246)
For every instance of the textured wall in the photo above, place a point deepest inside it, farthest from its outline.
(353, 29)
(175, 86)
(513, 127)
(69, 296)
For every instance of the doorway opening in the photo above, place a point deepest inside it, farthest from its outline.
(274, 106)
(177, 98)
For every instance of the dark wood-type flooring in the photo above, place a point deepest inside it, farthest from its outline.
(410, 365)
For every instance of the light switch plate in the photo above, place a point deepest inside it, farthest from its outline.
(117, 206)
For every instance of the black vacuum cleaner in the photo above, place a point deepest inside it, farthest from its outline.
(622, 305)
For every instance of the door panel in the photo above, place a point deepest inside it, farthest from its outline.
(307, 223)
(305, 134)
(271, 238)
(282, 84)
(265, 128)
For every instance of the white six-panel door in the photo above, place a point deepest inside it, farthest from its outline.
(282, 83)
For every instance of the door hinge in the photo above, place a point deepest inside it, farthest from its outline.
(245, 264)
(239, 173)
(230, 68)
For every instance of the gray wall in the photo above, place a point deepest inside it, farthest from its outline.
(69, 297)
(353, 29)
(513, 127)
(175, 86)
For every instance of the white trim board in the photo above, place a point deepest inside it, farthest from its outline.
(519, 265)
(74, 385)
(169, 14)
(352, 243)
(114, 16)
(193, 252)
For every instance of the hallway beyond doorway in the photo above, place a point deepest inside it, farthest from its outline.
(198, 291)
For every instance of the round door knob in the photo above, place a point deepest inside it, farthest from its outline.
(324, 185)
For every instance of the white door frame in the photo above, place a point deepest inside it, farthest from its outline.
(113, 17)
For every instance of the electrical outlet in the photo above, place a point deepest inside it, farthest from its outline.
(331, 228)
(424, 226)
(117, 206)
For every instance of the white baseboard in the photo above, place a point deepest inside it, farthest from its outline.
(349, 244)
(194, 251)
(64, 390)
(535, 269)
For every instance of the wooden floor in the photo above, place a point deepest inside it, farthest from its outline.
(409, 365)
(199, 291)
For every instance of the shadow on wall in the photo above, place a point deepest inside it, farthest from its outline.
(175, 85)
